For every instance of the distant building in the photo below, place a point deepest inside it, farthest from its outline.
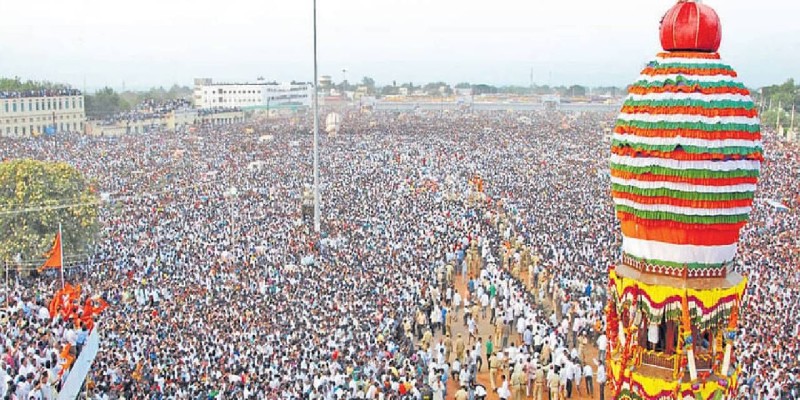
(551, 102)
(325, 81)
(41, 112)
(258, 95)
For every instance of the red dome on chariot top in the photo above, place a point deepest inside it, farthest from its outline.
(691, 26)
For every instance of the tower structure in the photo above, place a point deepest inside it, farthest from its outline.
(685, 159)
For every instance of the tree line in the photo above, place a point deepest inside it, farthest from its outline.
(440, 88)
(107, 102)
(777, 103)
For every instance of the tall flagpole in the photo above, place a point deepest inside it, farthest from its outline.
(316, 129)
(61, 253)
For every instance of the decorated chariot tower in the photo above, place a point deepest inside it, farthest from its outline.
(685, 160)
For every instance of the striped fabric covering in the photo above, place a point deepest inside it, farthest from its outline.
(685, 159)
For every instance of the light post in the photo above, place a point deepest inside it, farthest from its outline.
(316, 129)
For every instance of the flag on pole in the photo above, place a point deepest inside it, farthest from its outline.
(54, 255)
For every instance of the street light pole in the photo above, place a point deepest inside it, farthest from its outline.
(316, 129)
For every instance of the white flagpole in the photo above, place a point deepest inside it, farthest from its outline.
(61, 253)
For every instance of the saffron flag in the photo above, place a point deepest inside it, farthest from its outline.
(53, 256)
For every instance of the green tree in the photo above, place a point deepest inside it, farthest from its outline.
(770, 118)
(545, 89)
(463, 85)
(783, 95)
(483, 89)
(36, 196)
(514, 89)
(179, 92)
(389, 90)
(435, 89)
(105, 103)
(577, 91)
(369, 83)
(17, 85)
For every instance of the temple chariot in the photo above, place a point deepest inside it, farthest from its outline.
(685, 159)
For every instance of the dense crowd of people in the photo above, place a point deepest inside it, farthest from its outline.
(18, 94)
(219, 287)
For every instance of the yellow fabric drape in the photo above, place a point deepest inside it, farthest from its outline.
(659, 296)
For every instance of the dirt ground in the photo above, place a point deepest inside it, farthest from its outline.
(485, 329)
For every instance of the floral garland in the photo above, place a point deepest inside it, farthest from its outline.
(706, 307)
(637, 386)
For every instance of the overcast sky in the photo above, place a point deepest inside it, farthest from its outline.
(146, 43)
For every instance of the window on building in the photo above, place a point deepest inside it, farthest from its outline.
(73, 103)
(22, 106)
(37, 105)
(30, 105)
(60, 105)
(6, 104)
(14, 107)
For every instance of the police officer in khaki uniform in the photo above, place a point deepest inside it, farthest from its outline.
(518, 383)
(538, 384)
(448, 346)
(427, 337)
(494, 363)
(553, 383)
(459, 348)
(461, 394)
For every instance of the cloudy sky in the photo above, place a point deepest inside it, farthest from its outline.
(145, 43)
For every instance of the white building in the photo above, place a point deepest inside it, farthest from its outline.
(35, 113)
(258, 95)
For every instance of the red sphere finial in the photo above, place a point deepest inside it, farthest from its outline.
(691, 26)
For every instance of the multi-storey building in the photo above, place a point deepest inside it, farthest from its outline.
(260, 94)
(42, 111)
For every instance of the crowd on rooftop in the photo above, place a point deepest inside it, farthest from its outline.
(16, 94)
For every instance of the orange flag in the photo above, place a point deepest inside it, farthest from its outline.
(53, 256)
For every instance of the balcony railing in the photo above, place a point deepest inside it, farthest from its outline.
(658, 359)
(702, 361)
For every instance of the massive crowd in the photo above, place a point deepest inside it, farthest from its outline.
(219, 288)
(17, 94)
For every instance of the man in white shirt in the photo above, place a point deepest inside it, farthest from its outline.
(587, 375)
(503, 391)
(456, 303)
(601, 380)
(576, 377)
(602, 344)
